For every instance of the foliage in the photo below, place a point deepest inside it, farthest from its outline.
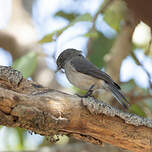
(26, 64)
(52, 36)
(69, 16)
(135, 108)
(115, 14)
(98, 45)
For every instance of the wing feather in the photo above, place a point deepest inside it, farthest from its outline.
(82, 65)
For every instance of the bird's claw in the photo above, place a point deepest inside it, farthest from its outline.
(88, 93)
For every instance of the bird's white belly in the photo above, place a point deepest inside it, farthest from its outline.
(80, 80)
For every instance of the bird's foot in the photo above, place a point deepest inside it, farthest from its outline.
(88, 93)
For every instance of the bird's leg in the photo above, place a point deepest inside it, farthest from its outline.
(88, 93)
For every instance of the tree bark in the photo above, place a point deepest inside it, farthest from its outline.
(45, 111)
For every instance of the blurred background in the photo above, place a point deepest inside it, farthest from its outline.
(34, 32)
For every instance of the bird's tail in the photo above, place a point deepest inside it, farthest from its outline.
(118, 95)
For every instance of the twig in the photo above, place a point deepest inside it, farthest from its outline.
(142, 66)
(101, 9)
(147, 51)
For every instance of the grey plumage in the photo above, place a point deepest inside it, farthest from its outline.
(82, 73)
(82, 65)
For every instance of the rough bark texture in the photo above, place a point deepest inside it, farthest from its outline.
(28, 105)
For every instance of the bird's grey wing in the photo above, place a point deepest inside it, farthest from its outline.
(82, 65)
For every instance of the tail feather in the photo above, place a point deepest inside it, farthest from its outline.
(118, 95)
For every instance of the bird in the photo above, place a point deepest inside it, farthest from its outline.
(86, 76)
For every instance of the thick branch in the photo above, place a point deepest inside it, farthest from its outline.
(121, 48)
(47, 112)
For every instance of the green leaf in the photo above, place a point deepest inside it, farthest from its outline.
(18, 142)
(26, 64)
(114, 14)
(99, 46)
(79, 91)
(91, 34)
(20, 136)
(47, 38)
(134, 108)
(68, 16)
(52, 36)
(83, 18)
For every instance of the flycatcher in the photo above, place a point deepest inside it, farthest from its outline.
(86, 76)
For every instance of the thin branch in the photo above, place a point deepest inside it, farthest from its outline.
(142, 66)
(28, 105)
(101, 9)
(147, 51)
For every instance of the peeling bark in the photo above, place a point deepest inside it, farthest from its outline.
(45, 111)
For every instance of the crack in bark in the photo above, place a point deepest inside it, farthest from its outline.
(49, 112)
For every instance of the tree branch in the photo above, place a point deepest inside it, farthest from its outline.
(143, 67)
(121, 48)
(28, 105)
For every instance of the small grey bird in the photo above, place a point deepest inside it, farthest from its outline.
(86, 76)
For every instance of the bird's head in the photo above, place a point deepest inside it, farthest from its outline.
(65, 56)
